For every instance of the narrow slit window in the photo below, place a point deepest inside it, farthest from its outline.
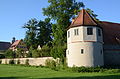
(82, 51)
(68, 34)
(99, 32)
(101, 52)
(76, 31)
(89, 31)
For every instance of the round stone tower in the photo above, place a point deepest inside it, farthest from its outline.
(84, 42)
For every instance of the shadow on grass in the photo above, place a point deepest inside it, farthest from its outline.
(13, 78)
(87, 77)
(82, 77)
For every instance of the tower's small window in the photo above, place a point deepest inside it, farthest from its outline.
(89, 31)
(82, 51)
(68, 52)
(99, 32)
(101, 51)
(76, 31)
(68, 34)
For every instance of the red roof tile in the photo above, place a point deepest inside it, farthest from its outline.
(15, 43)
(83, 19)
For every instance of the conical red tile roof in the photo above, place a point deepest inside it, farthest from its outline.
(83, 19)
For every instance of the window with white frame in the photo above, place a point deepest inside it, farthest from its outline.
(68, 34)
(89, 31)
(76, 31)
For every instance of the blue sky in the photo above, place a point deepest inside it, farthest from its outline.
(15, 13)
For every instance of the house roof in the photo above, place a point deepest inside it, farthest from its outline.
(83, 19)
(111, 33)
(19, 44)
(15, 43)
(4, 45)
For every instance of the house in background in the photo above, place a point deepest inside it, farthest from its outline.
(91, 43)
(3, 47)
(20, 46)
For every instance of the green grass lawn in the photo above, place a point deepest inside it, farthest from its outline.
(21, 72)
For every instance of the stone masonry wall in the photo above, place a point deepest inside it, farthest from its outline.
(31, 61)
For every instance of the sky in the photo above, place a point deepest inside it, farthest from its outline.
(15, 13)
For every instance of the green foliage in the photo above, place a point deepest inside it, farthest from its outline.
(30, 38)
(112, 71)
(0, 61)
(43, 52)
(10, 54)
(20, 53)
(86, 69)
(26, 72)
(58, 52)
(61, 11)
(91, 12)
(44, 32)
(38, 33)
(2, 56)
(18, 61)
(35, 53)
(50, 64)
(11, 61)
(27, 62)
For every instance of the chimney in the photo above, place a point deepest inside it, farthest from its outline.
(13, 40)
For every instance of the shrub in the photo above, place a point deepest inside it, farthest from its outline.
(10, 54)
(18, 61)
(2, 56)
(50, 64)
(45, 51)
(86, 69)
(0, 61)
(11, 61)
(112, 71)
(35, 53)
(27, 62)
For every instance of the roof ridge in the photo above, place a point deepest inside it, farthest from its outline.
(83, 19)
(91, 17)
(110, 22)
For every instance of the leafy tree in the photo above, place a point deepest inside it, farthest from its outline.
(10, 54)
(91, 12)
(20, 53)
(44, 32)
(30, 38)
(45, 51)
(38, 33)
(61, 11)
(35, 53)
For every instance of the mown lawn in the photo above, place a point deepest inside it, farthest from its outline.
(22, 72)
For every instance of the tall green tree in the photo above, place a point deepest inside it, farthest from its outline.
(44, 32)
(37, 33)
(61, 11)
(30, 38)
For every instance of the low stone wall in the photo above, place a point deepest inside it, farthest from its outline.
(31, 61)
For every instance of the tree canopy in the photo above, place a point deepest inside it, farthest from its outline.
(61, 11)
(37, 33)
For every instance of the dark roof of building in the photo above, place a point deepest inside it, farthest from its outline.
(4, 45)
(111, 32)
(83, 19)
